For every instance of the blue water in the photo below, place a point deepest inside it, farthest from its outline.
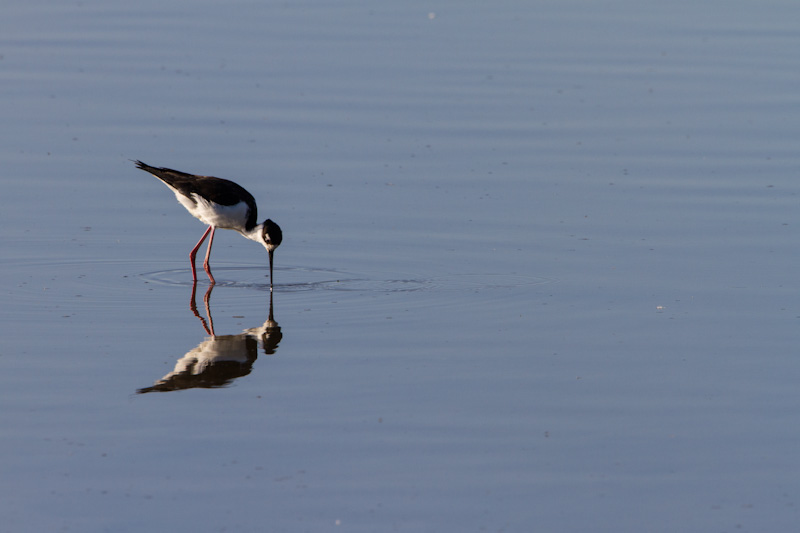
(538, 269)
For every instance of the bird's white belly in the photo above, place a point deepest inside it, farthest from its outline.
(220, 216)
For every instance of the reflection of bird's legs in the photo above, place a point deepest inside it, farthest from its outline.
(206, 300)
(192, 302)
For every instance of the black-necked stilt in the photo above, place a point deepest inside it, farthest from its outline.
(220, 204)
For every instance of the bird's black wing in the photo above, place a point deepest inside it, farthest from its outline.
(217, 190)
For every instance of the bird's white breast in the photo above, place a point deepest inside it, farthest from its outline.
(220, 216)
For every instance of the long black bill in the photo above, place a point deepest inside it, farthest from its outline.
(270, 268)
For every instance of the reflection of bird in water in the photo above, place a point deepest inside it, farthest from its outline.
(215, 362)
(220, 204)
(219, 359)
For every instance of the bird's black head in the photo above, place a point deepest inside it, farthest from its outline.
(272, 235)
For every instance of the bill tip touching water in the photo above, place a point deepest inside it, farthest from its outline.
(219, 203)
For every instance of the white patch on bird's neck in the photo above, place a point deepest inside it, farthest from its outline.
(257, 234)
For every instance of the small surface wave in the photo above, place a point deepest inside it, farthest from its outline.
(300, 279)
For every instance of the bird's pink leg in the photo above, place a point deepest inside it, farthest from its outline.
(193, 253)
(206, 266)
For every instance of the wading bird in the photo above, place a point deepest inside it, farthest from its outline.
(221, 204)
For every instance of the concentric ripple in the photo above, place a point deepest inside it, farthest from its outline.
(100, 284)
(300, 279)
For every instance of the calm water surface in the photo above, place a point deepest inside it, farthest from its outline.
(538, 270)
